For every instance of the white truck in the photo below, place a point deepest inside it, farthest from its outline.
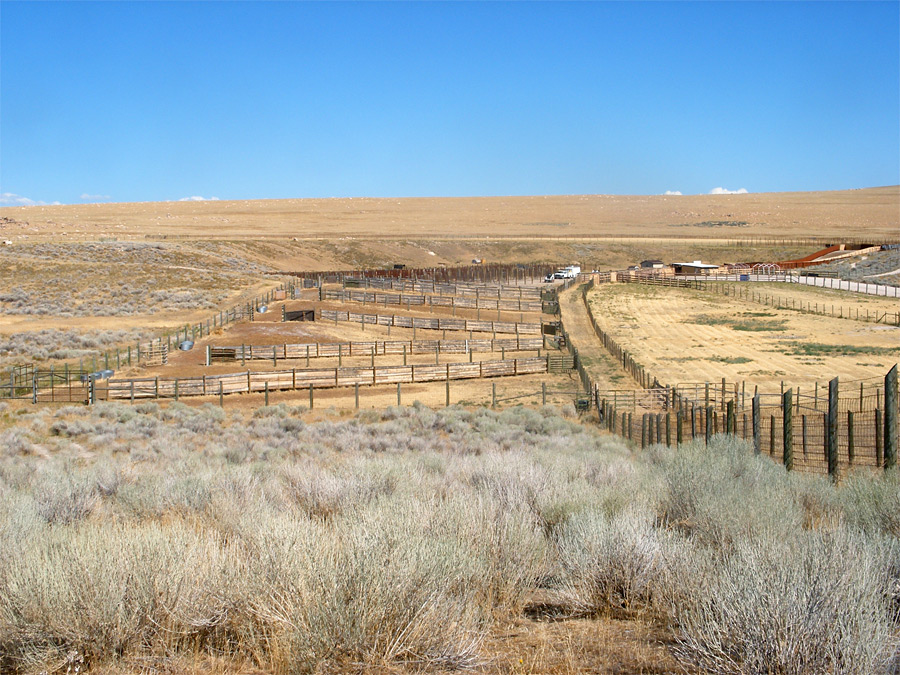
(569, 272)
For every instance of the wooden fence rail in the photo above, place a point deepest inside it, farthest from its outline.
(402, 321)
(502, 291)
(415, 300)
(300, 379)
(368, 348)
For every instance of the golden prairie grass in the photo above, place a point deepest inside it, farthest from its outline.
(870, 212)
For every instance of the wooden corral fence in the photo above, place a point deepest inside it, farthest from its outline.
(317, 378)
(401, 321)
(298, 315)
(415, 300)
(154, 354)
(560, 363)
(828, 434)
(492, 272)
(315, 350)
(545, 395)
(654, 399)
(430, 287)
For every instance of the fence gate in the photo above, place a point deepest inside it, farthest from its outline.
(560, 363)
(59, 387)
(19, 383)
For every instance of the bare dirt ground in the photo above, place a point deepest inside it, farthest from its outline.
(873, 211)
(681, 335)
(599, 646)
(600, 365)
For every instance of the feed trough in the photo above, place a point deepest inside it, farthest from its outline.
(186, 345)
(262, 309)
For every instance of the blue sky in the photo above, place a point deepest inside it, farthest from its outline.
(149, 101)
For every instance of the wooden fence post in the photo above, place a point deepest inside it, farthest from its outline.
(723, 394)
(643, 431)
(890, 418)
(831, 430)
(730, 426)
(679, 427)
(709, 423)
(787, 429)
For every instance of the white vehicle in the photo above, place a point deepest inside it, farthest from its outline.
(569, 272)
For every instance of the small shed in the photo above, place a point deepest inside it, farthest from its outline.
(652, 264)
(694, 268)
(298, 315)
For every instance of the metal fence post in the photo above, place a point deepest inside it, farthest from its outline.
(757, 434)
(890, 418)
(787, 429)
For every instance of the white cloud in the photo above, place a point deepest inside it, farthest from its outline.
(11, 199)
(672, 193)
(199, 199)
(99, 198)
(725, 191)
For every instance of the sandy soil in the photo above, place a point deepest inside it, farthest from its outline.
(604, 370)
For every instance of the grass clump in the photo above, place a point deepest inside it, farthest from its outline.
(820, 349)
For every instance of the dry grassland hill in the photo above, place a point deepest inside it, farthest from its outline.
(872, 212)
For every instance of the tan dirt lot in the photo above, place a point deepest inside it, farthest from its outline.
(682, 335)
